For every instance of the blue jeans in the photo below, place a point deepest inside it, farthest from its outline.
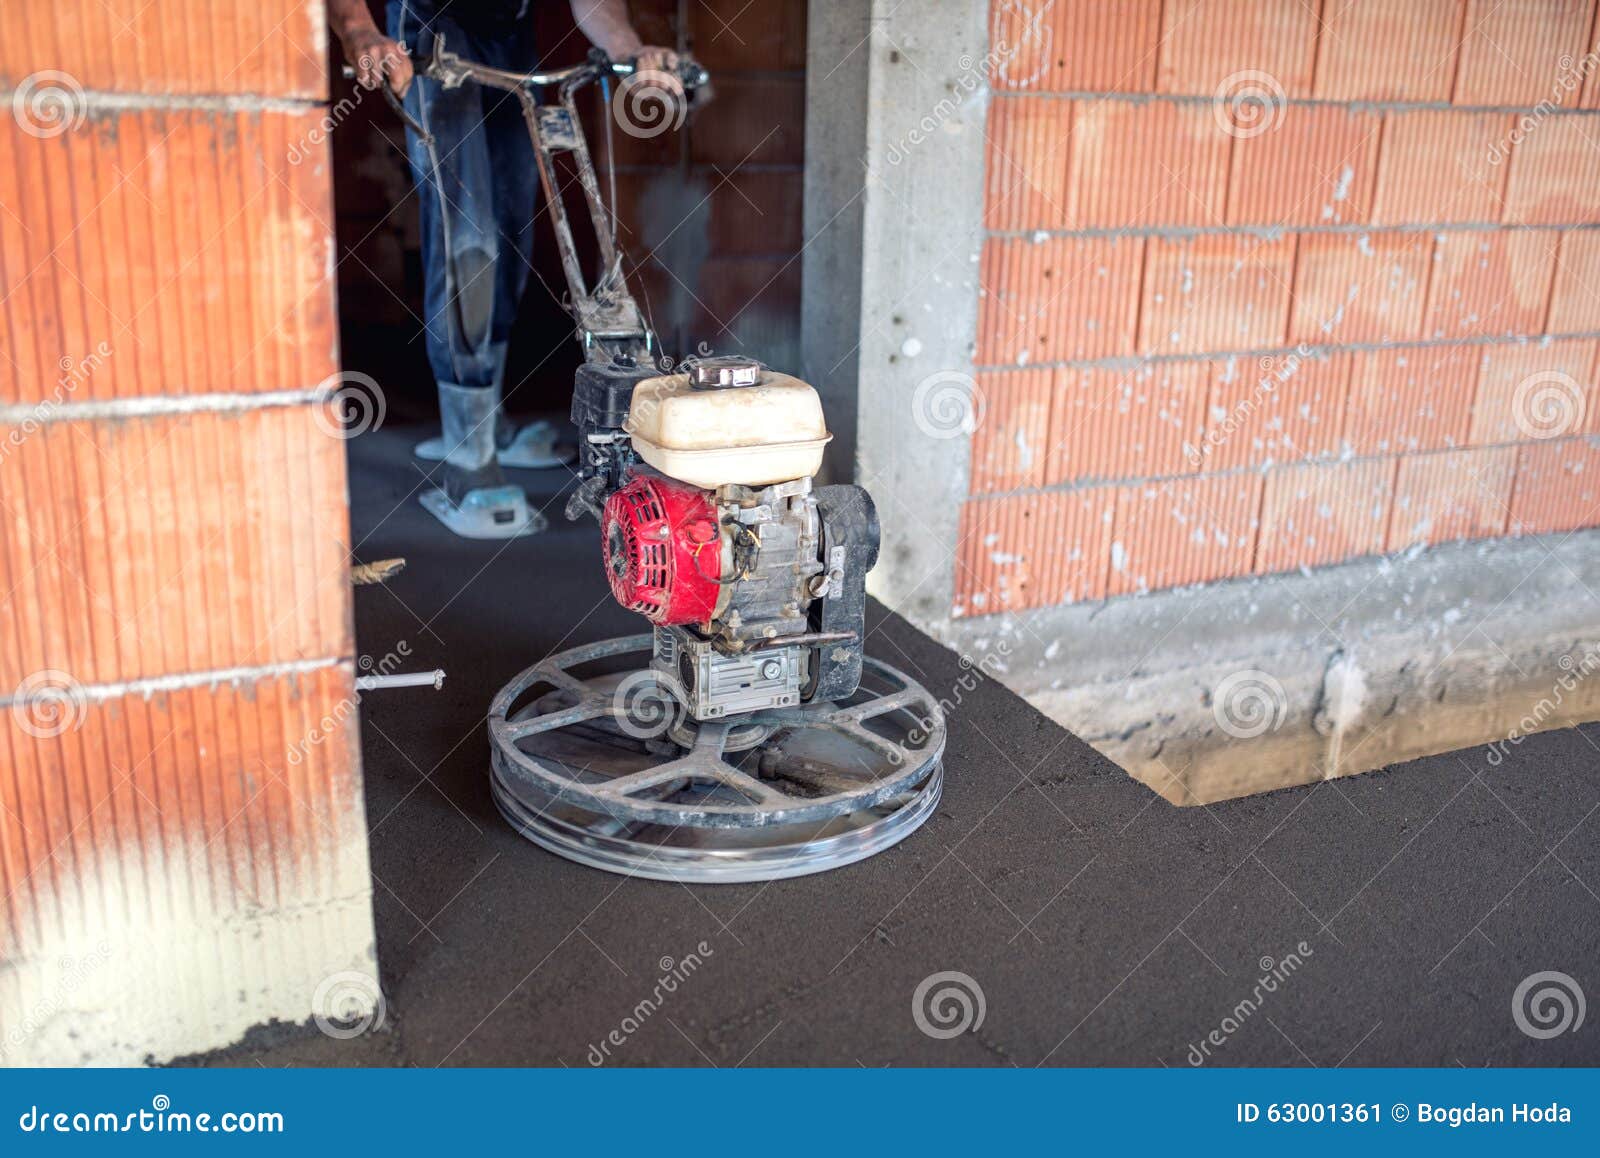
(477, 190)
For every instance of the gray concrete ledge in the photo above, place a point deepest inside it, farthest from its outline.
(1212, 692)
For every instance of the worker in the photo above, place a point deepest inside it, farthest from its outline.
(476, 188)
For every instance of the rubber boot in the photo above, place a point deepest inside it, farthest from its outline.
(533, 447)
(475, 501)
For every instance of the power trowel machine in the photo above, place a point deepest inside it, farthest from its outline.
(746, 736)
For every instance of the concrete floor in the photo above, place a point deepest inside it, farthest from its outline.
(1102, 925)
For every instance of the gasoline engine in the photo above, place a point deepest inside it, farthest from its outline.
(747, 736)
(753, 579)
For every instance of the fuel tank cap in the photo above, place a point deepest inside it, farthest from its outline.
(722, 372)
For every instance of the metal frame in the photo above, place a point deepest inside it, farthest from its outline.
(837, 828)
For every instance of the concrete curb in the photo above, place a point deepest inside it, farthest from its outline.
(1214, 692)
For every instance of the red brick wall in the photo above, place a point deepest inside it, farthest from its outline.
(1221, 336)
(177, 819)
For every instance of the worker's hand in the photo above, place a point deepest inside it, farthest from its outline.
(377, 60)
(657, 68)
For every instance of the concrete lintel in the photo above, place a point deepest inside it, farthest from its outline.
(1238, 687)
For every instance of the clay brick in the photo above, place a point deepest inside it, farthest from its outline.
(1122, 424)
(1488, 284)
(1400, 50)
(1207, 43)
(1411, 399)
(187, 543)
(1280, 409)
(749, 304)
(1011, 440)
(1214, 293)
(1533, 391)
(1440, 167)
(1575, 297)
(1150, 164)
(1465, 494)
(1057, 299)
(750, 213)
(1555, 173)
(755, 120)
(269, 48)
(1090, 46)
(189, 243)
(1557, 487)
(1314, 165)
(1323, 513)
(1514, 51)
(196, 808)
(1029, 140)
(1022, 47)
(729, 35)
(1032, 551)
(1360, 288)
(1184, 531)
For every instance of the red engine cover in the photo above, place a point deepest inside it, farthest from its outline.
(663, 550)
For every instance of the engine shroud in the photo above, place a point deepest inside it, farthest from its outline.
(663, 551)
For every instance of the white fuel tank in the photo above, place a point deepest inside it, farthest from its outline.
(728, 420)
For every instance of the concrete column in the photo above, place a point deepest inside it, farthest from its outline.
(896, 101)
